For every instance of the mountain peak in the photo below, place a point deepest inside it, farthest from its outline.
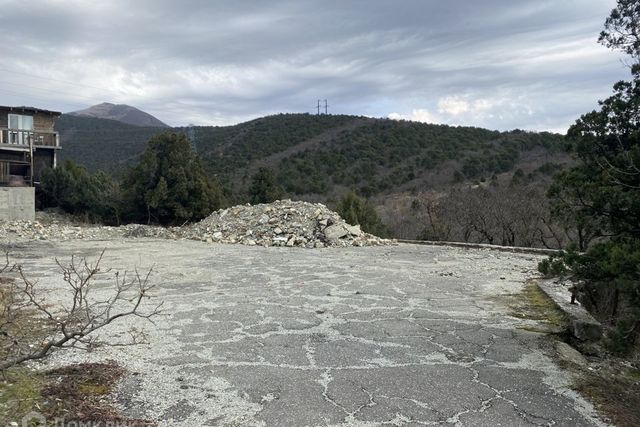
(122, 113)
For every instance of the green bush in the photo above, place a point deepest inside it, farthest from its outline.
(553, 266)
(70, 187)
(355, 210)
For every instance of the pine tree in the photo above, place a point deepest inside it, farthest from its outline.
(169, 185)
(358, 211)
(263, 188)
(601, 194)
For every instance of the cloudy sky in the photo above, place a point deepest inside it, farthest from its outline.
(500, 64)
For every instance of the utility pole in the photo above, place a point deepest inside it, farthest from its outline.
(318, 107)
(326, 107)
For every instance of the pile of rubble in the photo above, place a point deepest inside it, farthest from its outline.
(281, 223)
(46, 230)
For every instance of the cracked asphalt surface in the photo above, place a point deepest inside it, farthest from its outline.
(397, 335)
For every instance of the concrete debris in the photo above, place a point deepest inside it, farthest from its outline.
(570, 354)
(281, 223)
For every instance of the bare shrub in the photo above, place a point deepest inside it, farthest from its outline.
(32, 326)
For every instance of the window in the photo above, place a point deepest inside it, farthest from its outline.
(18, 124)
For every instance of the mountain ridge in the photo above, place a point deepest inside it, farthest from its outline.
(320, 156)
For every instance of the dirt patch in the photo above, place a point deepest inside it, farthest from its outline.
(615, 392)
(71, 394)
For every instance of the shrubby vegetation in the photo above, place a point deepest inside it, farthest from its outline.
(601, 194)
(227, 150)
(384, 155)
(515, 214)
(95, 197)
(358, 211)
(167, 186)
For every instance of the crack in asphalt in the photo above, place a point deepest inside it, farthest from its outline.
(411, 335)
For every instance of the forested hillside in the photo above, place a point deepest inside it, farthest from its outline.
(321, 156)
(101, 144)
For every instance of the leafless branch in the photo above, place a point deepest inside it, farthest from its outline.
(31, 327)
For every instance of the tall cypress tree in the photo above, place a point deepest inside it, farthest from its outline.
(169, 185)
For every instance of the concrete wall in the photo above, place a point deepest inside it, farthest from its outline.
(17, 203)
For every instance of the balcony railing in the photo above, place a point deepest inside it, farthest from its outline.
(26, 138)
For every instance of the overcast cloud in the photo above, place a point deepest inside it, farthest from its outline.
(500, 64)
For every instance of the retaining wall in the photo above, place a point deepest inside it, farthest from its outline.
(17, 203)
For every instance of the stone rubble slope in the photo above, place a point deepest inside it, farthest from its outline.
(281, 223)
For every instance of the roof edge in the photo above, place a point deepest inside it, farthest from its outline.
(25, 109)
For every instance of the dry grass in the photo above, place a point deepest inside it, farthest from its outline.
(533, 304)
(617, 395)
(19, 394)
(22, 324)
(613, 387)
(76, 394)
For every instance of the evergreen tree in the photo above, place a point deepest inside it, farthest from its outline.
(355, 210)
(263, 188)
(601, 195)
(169, 185)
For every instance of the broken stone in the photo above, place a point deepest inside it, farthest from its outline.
(310, 225)
(570, 354)
(354, 230)
(336, 231)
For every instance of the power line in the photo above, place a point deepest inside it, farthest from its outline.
(56, 80)
(23, 95)
(78, 98)
(49, 90)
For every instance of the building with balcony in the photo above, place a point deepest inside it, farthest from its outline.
(28, 145)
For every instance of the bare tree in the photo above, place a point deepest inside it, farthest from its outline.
(31, 326)
(511, 215)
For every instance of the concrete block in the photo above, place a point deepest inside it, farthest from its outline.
(17, 203)
(583, 325)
